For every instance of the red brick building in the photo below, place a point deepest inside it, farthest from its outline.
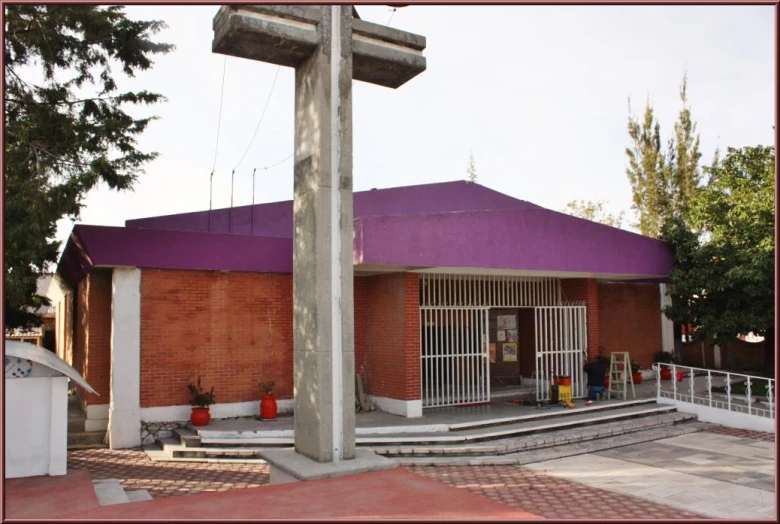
(454, 284)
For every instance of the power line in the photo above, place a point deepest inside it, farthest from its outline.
(219, 118)
(278, 163)
(261, 118)
(391, 16)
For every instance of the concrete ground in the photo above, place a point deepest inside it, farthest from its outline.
(720, 473)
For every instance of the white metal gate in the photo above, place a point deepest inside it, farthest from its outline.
(561, 345)
(454, 362)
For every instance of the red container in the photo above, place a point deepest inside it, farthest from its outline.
(562, 380)
(666, 373)
(268, 407)
(200, 416)
(637, 378)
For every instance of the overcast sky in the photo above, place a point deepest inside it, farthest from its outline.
(537, 93)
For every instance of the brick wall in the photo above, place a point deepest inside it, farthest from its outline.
(630, 320)
(586, 290)
(387, 334)
(234, 330)
(91, 334)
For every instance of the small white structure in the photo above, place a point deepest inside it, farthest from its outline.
(36, 410)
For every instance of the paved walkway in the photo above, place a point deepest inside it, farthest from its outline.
(709, 473)
(722, 473)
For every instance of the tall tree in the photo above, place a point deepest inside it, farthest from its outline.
(471, 169)
(595, 211)
(67, 131)
(662, 182)
(647, 171)
(723, 278)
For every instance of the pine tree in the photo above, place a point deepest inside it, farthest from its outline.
(471, 170)
(67, 133)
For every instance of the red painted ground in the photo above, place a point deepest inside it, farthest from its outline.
(38, 497)
(389, 494)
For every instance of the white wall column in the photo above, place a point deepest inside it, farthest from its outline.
(667, 326)
(124, 410)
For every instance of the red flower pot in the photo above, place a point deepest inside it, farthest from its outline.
(666, 374)
(637, 378)
(200, 416)
(268, 407)
(680, 376)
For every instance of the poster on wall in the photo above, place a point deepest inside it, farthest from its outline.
(492, 352)
(510, 352)
(511, 335)
(507, 322)
(501, 335)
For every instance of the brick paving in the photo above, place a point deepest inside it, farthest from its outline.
(136, 471)
(743, 433)
(548, 496)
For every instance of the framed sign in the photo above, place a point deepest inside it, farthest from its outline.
(510, 352)
(507, 322)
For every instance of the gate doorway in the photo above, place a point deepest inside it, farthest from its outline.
(454, 361)
(561, 346)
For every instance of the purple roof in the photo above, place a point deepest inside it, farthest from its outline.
(104, 246)
(454, 224)
(276, 219)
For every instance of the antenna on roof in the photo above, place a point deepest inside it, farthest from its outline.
(252, 223)
(230, 216)
(211, 191)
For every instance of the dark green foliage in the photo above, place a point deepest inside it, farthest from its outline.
(200, 398)
(723, 279)
(66, 133)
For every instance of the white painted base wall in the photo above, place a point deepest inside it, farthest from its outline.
(225, 410)
(97, 417)
(36, 426)
(724, 417)
(405, 408)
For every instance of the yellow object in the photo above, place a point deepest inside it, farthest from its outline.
(569, 404)
(564, 393)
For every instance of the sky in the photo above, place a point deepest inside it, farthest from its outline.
(538, 94)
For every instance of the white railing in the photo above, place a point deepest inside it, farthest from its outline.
(698, 386)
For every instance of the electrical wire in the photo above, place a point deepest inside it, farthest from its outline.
(262, 115)
(219, 118)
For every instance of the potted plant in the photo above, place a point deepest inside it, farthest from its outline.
(200, 402)
(665, 357)
(268, 407)
(636, 373)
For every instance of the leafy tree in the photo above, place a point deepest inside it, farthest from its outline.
(662, 181)
(471, 170)
(66, 132)
(594, 211)
(722, 282)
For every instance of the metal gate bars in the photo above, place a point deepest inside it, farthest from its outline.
(454, 356)
(561, 345)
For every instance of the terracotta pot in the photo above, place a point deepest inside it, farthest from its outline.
(680, 376)
(200, 416)
(637, 378)
(666, 374)
(268, 407)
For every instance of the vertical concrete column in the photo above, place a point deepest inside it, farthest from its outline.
(323, 318)
(124, 409)
(667, 326)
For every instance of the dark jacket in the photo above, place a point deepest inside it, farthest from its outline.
(596, 371)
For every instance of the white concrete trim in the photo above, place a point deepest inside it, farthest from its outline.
(124, 409)
(58, 439)
(667, 326)
(337, 385)
(724, 417)
(96, 411)
(405, 408)
(225, 410)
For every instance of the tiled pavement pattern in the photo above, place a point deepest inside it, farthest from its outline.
(716, 475)
(744, 433)
(136, 471)
(548, 496)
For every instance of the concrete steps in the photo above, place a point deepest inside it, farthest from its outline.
(496, 438)
(110, 491)
(78, 437)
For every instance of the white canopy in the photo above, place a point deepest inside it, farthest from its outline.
(27, 351)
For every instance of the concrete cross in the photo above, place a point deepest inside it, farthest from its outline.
(328, 47)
